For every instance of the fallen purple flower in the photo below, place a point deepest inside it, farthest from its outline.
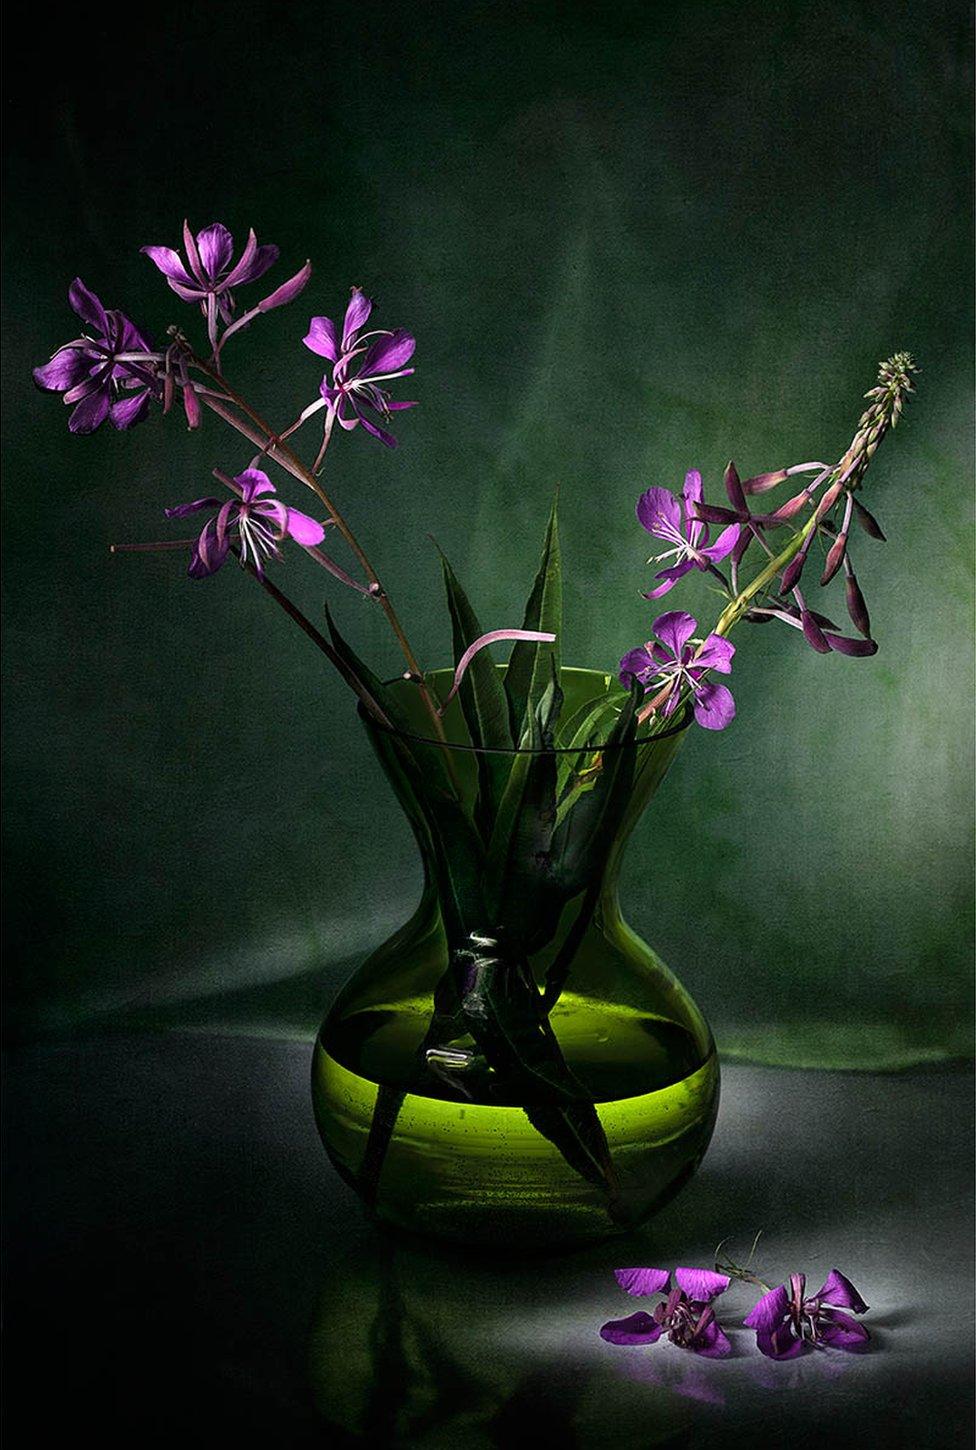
(494, 636)
(111, 374)
(251, 520)
(382, 360)
(786, 1322)
(209, 273)
(671, 663)
(663, 516)
(686, 1315)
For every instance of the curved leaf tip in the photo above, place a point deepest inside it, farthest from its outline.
(494, 636)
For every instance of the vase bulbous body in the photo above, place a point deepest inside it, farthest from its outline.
(515, 1066)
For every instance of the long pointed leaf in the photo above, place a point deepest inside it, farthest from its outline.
(583, 836)
(483, 702)
(518, 879)
(529, 667)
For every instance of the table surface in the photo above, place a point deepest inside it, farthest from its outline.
(181, 1259)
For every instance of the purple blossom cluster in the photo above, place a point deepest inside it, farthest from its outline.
(113, 372)
(673, 665)
(787, 1322)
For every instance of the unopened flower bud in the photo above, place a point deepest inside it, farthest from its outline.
(763, 482)
(813, 634)
(868, 522)
(733, 487)
(857, 647)
(792, 572)
(835, 557)
(856, 606)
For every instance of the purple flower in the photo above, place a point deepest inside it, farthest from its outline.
(686, 1315)
(209, 273)
(671, 663)
(252, 521)
(676, 523)
(381, 361)
(786, 1323)
(110, 374)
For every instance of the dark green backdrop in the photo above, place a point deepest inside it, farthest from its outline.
(630, 238)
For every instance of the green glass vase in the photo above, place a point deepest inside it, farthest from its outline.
(515, 1066)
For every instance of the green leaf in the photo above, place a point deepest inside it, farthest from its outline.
(529, 668)
(483, 703)
(583, 835)
(369, 682)
(482, 693)
(518, 883)
(503, 1011)
(590, 725)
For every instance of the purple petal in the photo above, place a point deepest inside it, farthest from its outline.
(192, 254)
(183, 510)
(253, 483)
(273, 509)
(209, 553)
(170, 263)
(671, 703)
(130, 338)
(769, 1311)
(227, 515)
(380, 433)
(675, 629)
(779, 1343)
(216, 248)
(637, 1328)
(357, 314)
(636, 664)
(701, 1284)
(288, 291)
(692, 491)
(321, 338)
(715, 514)
(712, 1342)
(257, 265)
(659, 511)
(187, 294)
(838, 1290)
(642, 1281)
(129, 411)
(90, 413)
(670, 577)
(716, 654)
(714, 706)
(840, 1331)
(388, 354)
(87, 306)
(304, 530)
(723, 545)
(67, 368)
(98, 380)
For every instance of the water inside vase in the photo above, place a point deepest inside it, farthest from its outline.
(462, 1162)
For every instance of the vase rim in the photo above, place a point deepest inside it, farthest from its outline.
(680, 725)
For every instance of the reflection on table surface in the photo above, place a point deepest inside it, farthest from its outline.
(182, 1260)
